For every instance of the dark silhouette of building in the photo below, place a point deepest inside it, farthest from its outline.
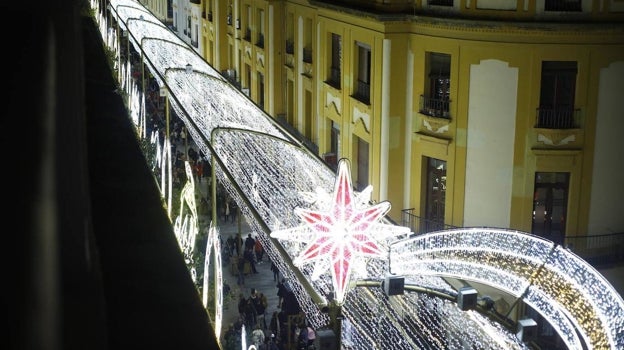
(94, 263)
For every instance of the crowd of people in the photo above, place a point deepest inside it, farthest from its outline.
(267, 331)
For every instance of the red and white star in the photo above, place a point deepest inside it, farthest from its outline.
(346, 230)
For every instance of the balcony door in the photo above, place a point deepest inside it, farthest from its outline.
(550, 205)
(435, 195)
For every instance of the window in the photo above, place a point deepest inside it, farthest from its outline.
(290, 32)
(260, 40)
(558, 87)
(362, 91)
(307, 40)
(436, 100)
(336, 56)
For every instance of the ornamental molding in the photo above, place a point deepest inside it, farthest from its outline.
(436, 126)
(260, 57)
(556, 139)
(363, 116)
(335, 101)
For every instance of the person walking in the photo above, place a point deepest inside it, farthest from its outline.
(249, 257)
(259, 250)
(240, 270)
(275, 271)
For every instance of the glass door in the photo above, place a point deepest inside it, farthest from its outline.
(550, 204)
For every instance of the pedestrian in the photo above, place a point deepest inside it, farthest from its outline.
(275, 271)
(281, 292)
(226, 211)
(259, 302)
(233, 211)
(231, 245)
(259, 250)
(257, 336)
(240, 270)
(250, 314)
(249, 257)
(250, 242)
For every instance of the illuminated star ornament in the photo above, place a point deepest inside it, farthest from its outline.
(346, 230)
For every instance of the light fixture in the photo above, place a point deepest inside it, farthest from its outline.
(526, 330)
(467, 298)
(394, 285)
(189, 68)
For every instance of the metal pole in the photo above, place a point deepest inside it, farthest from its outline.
(167, 143)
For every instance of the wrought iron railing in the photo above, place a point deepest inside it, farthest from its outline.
(435, 107)
(307, 55)
(290, 47)
(563, 5)
(334, 77)
(557, 118)
(281, 119)
(440, 2)
(260, 41)
(598, 250)
(420, 225)
(362, 93)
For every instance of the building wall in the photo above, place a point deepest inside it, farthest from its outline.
(490, 144)
(489, 141)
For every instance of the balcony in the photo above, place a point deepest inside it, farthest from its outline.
(260, 41)
(362, 92)
(557, 118)
(420, 225)
(563, 5)
(307, 55)
(435, 107)
(229, 20)
(440, 2)
(290, 47)
(334, 77)
(601, 251)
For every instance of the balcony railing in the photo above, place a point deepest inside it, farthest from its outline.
(598, 250)
(435, 107)
(229, 20)
(362, 93)
(307, 55)
(420, 225)
(334, 77)
(281, 119)
(557, 118)
(563, 5)
(440, 2)
(290, 47)
(260, 41)
(601, 251)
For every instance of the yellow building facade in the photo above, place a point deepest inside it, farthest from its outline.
(463, 113)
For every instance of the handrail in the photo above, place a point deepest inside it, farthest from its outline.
(598, 250)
